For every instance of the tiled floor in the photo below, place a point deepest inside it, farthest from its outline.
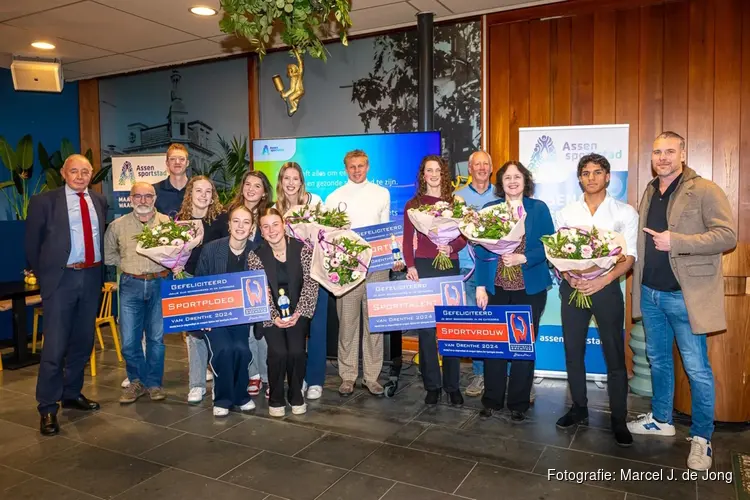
(359, 448)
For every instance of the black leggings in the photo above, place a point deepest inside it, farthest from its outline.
(521, 371)
(287, 359)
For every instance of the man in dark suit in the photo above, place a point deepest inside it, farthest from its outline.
(64, 244)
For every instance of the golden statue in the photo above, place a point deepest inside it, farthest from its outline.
(461, 181)
(296, 89)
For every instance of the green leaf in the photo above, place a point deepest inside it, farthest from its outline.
(7, 155)
(101, 174)
(6, 184)
(56, 160)
(89, 156)
(43, 157)
(25, 153)
(66, 149)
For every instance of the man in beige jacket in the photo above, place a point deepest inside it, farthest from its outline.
(678, 288)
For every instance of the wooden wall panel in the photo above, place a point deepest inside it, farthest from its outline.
(498, 93)
(676, 56)
(560, 68)
(728, 73)
(626, 99)
(253, 102)
(650, 88)
(582, 78)
(540, 89)
(88, 112)
(519, 83)
(744, 183)
(604, 67)
(701, 87)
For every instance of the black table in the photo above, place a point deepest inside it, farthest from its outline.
(17, 291)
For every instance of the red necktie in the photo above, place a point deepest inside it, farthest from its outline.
(88, 234)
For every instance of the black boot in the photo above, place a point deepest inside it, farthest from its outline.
(432, 397)
(456, 398)
(623, 438)
(576, 416)
(48, 425)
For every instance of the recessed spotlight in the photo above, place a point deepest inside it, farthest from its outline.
(42, 45)
(203, 11)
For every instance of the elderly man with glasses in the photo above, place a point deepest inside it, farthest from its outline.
(140, 296)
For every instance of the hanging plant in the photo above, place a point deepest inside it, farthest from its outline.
(302, 24)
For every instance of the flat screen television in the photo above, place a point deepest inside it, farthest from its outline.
(394, 161)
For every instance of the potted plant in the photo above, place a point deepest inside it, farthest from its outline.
(302, 25)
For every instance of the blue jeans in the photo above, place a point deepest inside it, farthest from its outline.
(470, 286)
(140, 312)
(665, 319)
(316, 344)
(259, 362)
(197, 361)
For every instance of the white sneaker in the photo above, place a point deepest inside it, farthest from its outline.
(276, 411)
(196, 395)
(701, 454)
(250, 405)
(209, 375)
(220, 412)
(125, 383)
(314, 392)
(645, 424)
(300, 410)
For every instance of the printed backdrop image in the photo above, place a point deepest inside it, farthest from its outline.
(371, 86)
(552, 155)
(394, 161)
(194, 105)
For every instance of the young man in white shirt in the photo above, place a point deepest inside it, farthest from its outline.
(597, 208)
(366, 204)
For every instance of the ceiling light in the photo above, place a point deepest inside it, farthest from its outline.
(203, 11)
(43, 45)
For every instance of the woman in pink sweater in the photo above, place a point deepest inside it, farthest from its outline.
(433, 185)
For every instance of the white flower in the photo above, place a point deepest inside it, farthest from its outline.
(355, 275)
(608, 236)
(184, 234)
(465, 210)
(165, 230)
(447, 213)
(569, 248)
(339, 255)
(327, 263)
(155, 231)
(442, 204)
(571, 234)
(475, 234)
(481, 229)
(587, 251)
(470, 228)
(164, 240)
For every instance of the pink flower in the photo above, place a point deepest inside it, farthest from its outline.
(586, 251)
(335, 262)
(333, 277)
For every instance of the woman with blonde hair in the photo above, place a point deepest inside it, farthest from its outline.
(228, 345)
(292, 296)
(433, 185)
(291, 191)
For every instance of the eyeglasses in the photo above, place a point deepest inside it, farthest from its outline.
(144, 197)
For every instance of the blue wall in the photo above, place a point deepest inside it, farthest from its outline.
(48, 117)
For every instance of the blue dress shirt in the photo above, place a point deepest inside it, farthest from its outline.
(77, 247)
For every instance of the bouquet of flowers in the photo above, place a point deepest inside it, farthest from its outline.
(585, 253)
(498, 228)
(304, 222)
(170, 243)
(340, 260)
(439, 222)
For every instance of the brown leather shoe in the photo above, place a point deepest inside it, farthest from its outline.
(373, 387)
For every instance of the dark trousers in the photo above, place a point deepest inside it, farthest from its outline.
(429, 363)
(521, 371)
(69, 317)
(608, 308)
(287, 360)
(316, 344)
(229, 355)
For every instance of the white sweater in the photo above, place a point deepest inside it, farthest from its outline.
(366, 203)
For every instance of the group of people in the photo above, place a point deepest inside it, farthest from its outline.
(673, 245)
